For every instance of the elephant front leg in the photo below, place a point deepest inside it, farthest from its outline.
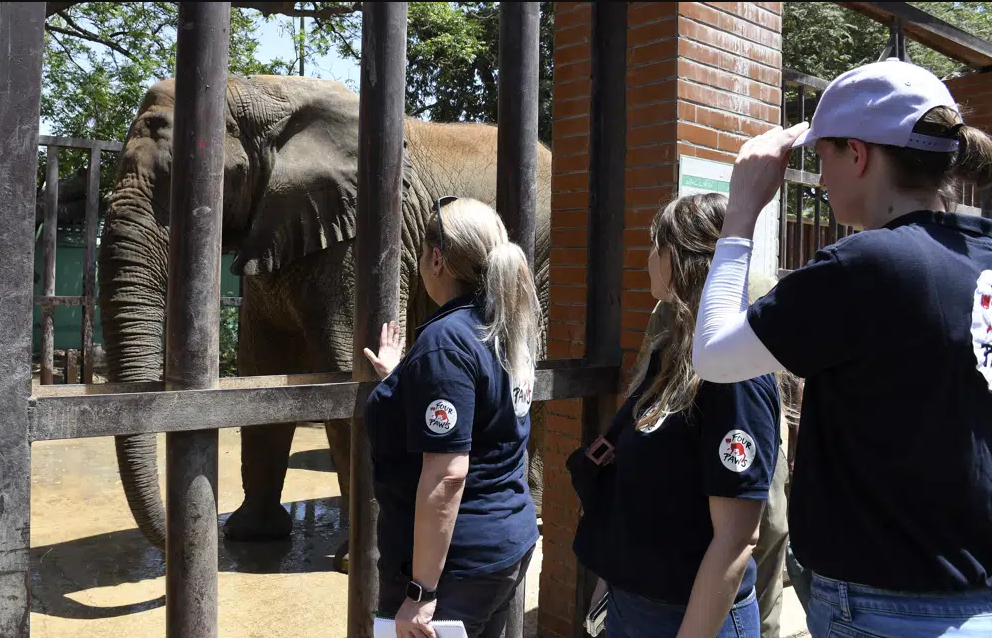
(264, 461)
(535, 450)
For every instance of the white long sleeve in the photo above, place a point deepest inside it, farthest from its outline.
(725, 348)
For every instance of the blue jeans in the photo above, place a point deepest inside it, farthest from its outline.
(631, 616)
(844, 610)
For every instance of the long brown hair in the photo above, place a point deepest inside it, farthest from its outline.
(689, 228)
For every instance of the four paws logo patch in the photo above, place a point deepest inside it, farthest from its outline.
(522, 395)
(441, 417)
(981, 325)
(737, 450)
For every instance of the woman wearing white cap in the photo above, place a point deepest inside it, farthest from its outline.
(891, 503)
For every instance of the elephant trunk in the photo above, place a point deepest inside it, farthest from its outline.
(133, 267)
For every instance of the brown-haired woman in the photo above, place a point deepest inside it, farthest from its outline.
(891, 501)
(672, 495)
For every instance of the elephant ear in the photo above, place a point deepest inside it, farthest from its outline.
(306, 194)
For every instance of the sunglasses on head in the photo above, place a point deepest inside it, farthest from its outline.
(437, 209)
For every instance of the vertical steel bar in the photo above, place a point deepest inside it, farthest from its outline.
(817, 193)
(89, 263)
(800, 190)
(193, 312)
(48, 281)
(516, 162)
(21, 50)
(604, 274)
(377, 259)
(783, 200)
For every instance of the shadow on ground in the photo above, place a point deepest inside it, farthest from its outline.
(314, 460)
(108, 560)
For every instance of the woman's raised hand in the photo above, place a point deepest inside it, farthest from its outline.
(758, 174)
(390, 350)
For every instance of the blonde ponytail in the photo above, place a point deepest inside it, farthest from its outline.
(478, 253)
(512, 309)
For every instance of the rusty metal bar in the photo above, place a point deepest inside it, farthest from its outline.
(193, 313)
(73, 412)
(797, 259)
(377, 258)
(607, 153)
(783, 200)
(48, 277)
(76, 142)
(21, 50)
(516, 162)
(89, 262)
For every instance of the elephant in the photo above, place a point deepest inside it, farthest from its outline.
(289, 218)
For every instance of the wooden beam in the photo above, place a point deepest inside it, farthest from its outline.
(795, 78)
(76, 142)
(21, 51)
(72, 412)
(930, 31)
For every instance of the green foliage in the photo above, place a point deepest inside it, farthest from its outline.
(101, 57)
(229, 341)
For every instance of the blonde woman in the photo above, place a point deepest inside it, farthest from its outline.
(672, 495)
(448, 428)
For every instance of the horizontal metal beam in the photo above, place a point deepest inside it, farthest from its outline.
(805, 178)
(78, 142)
(70, 300)
(930, 31)
(795, 78)
(136, 409)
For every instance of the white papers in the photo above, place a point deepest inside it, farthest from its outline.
(386, 628)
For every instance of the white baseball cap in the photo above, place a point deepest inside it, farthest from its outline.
(880, 103)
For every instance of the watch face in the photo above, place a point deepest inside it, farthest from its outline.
(414, 591)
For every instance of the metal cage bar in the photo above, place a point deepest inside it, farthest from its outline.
(604, 274)
(21, 49)
(193, 312)
(377, 257)
(49, 244)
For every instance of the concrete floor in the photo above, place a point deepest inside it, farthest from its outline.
(94, 575)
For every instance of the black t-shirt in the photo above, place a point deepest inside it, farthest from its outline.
(646, 521)
(449, 394)
(892, 485)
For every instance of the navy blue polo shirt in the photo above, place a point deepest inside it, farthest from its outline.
(646, 521)
(450, 394)
(892, 330)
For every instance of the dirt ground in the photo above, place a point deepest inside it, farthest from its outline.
(94, 575)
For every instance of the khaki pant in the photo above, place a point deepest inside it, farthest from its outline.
(770, 551)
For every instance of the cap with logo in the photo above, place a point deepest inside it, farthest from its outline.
(880, 103)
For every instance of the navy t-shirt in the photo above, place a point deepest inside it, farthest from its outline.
(892, 330)
(646, 520)
(450, 394)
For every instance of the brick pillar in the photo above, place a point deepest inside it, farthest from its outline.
(701, 78)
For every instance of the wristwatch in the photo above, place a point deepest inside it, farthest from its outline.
(418, 593)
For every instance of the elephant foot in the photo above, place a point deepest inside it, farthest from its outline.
(254, 524)
(341, 557)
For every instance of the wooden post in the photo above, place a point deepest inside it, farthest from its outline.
(48, 281)
(604, 276)
(89, 262)
(516, 149)
(516, 161)
(72, 366)
(21, 49)
(377, 259)
(193, 312)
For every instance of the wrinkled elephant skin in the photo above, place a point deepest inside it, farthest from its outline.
(290, 197)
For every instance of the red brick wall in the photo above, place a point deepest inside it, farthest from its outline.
(700, 78)
(974, 92)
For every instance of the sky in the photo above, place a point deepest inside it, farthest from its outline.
(275, 44)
